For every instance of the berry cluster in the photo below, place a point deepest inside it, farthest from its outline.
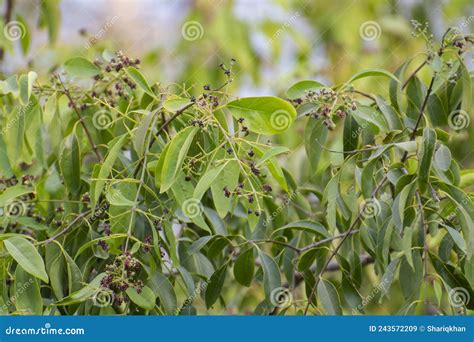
(207, 100)
(22, 206)
(147, 243)
(104, 227)
(120, 275)
(113, 84)
(328, 103)
(244, 129)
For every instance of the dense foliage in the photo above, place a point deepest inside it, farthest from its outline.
(125, 197)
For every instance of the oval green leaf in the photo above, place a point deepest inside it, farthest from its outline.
(264, 115)
(26, 255)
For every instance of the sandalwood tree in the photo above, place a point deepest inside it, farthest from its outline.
(120, 196)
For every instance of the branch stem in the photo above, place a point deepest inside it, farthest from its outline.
(81, 119)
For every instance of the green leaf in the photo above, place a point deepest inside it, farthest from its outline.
(264, 115)
(10, 86)
(391, 116)
(5, 167)
(457, 238)
(25, 38)
(174, 158)
(29, 222)
(214, 287)
(373, 73)
(50, 16)
(115, 197)
(145, 299)
(370, 116)
(15, 134)
(26, 255)
(139, 79)
(272, 152)
(466, 103)
(141, 132)
(70, 164)
(271, 274)
(115, 147)
(206, 181)
(415, 94)
(329, 298)
(176, 103)
(87, 292)
(92, 243)
(27, 293)
(407, 244)
(158, 169)
(351, 135)
(81, 67)
(163, 289)
(467, 178)
(171, 239)
(26, 87)
(315, 137)
(274, 168)
(244, 267)
(306, 226)
(399, 205)
(454, 279)
(443, 158)
(426, 152)
(307, 258)
(229, 177)
(13, 192)
(411, 278)
(299, 89)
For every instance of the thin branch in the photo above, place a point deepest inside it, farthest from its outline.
(69, 226)
(380, 185)
(422, 109)
(413, 74)
(329, 239)
(425, 243)
(332, 267)
(81, 118)
(140, 185)
(277, 243)
(336, 249)
(420, 115)
(167, 122)
(178, 113)
(364, 94)
(162, 127)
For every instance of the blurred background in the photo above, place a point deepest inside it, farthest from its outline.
(274, 42)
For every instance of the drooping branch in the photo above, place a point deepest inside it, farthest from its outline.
(81, 118)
